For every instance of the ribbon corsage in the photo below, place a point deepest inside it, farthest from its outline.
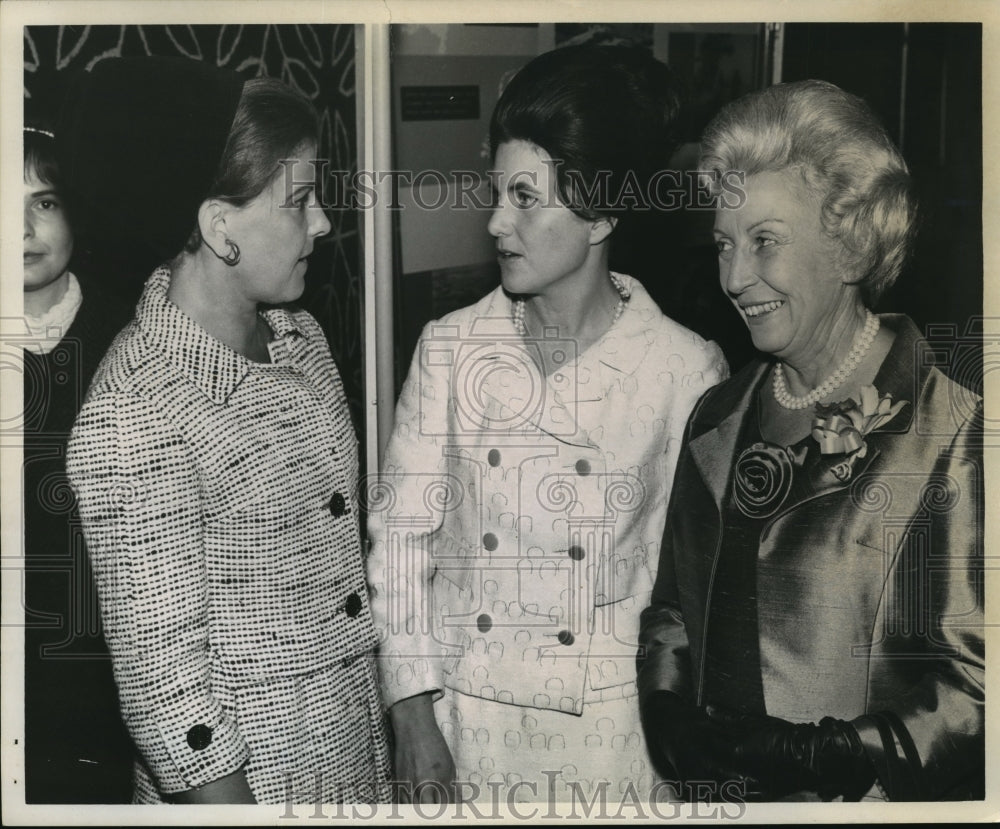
(840, 428)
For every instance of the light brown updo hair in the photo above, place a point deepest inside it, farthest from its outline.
(272, 120)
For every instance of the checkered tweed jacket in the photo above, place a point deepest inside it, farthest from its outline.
(218, 498)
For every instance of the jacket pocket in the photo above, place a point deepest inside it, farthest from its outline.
(621, 576)
(615, 641)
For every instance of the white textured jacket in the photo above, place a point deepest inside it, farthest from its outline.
(517, 522)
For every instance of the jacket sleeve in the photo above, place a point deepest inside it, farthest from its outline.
(664, 659)
(925, 729)
(705, 367)
(405, 513)
(138, 494)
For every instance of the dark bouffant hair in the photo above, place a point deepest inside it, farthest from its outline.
(603, 113)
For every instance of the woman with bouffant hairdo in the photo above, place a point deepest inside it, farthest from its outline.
(532, 456)
(816, 629)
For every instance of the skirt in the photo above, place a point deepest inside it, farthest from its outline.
(516, 754)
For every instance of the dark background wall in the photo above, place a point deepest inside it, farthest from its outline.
(316, 59)
(935, 116)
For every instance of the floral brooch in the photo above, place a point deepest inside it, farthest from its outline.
(764, 471)
(840, 428)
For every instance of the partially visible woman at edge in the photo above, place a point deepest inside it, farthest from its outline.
(214, 460)
(816, 629)
(527, 476)
(76, 749)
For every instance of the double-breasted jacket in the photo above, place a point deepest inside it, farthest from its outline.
(517, 521)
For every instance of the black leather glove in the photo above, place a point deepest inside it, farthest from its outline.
(783, 757)
(686, 744)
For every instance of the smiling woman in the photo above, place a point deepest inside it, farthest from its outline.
(783, 272)
(816, 628)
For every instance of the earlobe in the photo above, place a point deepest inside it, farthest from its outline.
(851, 276)
(601, 229)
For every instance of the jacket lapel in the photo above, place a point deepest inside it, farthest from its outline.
(717, 425)
(714, 455)
(622, 350)
(502, 379)
(817, 475)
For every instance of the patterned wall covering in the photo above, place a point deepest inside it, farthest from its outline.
(316, 59)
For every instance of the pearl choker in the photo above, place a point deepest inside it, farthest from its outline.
(861, 346)
(517, 310)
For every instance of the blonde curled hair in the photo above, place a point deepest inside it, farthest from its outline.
(844, 155)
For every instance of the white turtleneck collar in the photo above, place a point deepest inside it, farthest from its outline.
(48, 329)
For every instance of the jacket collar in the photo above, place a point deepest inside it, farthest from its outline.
(616, 355)
(624, 346)
(206, 362)
(905, 370)
(618, 349)
(718, 421)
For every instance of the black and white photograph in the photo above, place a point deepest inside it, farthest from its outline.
(535, 414)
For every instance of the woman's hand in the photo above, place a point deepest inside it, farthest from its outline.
(422, 756)
(697, 747)
(233, 788)
(784, 757)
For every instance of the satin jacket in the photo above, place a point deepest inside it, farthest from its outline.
(869, 579)
(518, 516)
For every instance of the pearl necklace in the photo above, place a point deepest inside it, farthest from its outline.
(517, 309)
(861, 346)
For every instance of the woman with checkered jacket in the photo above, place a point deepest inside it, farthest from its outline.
(214, 460)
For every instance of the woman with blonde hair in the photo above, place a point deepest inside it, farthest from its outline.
(816, 629)
(214, 460)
